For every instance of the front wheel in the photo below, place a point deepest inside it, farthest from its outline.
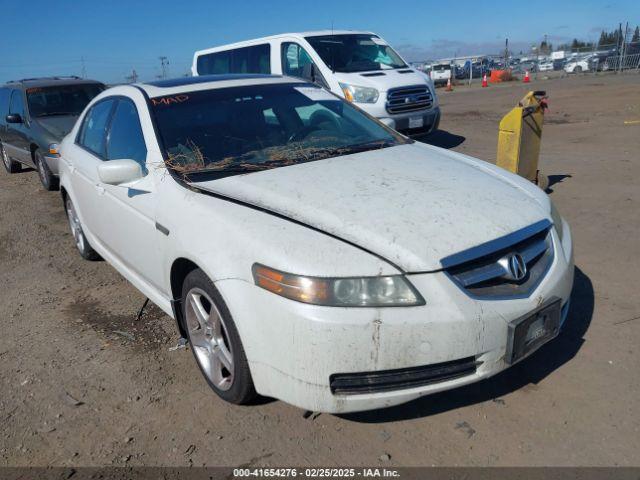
(9, 165)
(214, 340)
(578, 69)
(82, 244)
(48, 179)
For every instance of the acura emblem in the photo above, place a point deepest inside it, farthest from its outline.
(517, 266)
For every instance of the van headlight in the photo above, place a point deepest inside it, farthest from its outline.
(557, 220)
(385, 291)
(357, 94)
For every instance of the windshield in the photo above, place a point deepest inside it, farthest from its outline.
(246, 129)
(61, 100)
(441, 68)
(355, 52)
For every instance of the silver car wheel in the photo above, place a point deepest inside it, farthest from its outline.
(209, 338)
(76, 226)
(5, 157)
(43, 177)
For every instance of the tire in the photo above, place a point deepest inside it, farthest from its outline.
(82, 244)
(49, 181)
(578, 69)
(9, 165)
(214, 340)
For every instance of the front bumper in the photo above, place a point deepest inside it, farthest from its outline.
(52, 163)
(430, 121)
(294, 349)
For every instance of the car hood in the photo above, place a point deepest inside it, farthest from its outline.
(57, 126)
(412, 204)
(383, 80)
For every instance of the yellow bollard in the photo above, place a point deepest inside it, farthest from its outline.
(520, 136)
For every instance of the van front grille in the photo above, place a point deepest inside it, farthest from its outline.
(409, 99)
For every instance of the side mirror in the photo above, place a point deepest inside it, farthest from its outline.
(13, 118)
(116, 172)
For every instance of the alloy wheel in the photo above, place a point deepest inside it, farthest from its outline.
(209, 338)
(5, 157)
(76, 226)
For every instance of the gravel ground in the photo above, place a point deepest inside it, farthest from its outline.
(83, 383)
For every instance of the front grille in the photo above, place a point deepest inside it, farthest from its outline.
(402, 378)
(409, 99)
(483, 271)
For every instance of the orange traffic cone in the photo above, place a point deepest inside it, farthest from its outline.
(526, 77)
(484, 81)
(449, 87)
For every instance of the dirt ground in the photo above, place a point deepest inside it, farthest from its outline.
(82, 383)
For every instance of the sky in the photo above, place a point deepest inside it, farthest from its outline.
(111, 38)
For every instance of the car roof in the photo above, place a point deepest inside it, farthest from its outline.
(209, 82)
(50, 82)
(254, 41)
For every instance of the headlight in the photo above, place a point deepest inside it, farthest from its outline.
(557, 219)
(357, 94)
(388, 291)
(54, 149)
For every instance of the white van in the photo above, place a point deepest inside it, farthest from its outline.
(441, 73)
(358, 66)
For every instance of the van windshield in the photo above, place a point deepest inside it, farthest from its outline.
(235, 130)
(355, 52)
(61, 99)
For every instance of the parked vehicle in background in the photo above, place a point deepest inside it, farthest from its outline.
(546, 66)
(577, 65)
(441, 73)
(35, 114)
(358, 66)
(210, 195)
(559, 63)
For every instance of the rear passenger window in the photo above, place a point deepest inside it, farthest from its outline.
(94, 127)
(126, 140)
(255, 59)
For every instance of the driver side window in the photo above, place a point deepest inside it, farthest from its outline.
(126, 140)
(296, 62)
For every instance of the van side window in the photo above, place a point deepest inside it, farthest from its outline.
(295, 61)
(125, 139)
(17, 103)
(254, 59)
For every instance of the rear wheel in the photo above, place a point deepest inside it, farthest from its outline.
(9, 165)
(82, 244)
(214, 340)
(49, 180)
(578, 69)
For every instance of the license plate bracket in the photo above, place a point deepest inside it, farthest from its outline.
(529, 332)
(416, 122)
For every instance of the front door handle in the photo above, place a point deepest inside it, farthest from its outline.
(100, 189)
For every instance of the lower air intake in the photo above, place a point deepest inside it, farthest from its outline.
(402, 378)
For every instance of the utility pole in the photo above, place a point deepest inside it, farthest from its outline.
(506, 54)
(84, 70)
(164, 61)
(133, 78)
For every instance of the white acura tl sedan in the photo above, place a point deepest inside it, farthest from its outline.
(308, 252)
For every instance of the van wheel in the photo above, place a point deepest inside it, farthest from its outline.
(214, 340)
(49, 181)
(9, 165)
(82, 244)
(578, 69)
